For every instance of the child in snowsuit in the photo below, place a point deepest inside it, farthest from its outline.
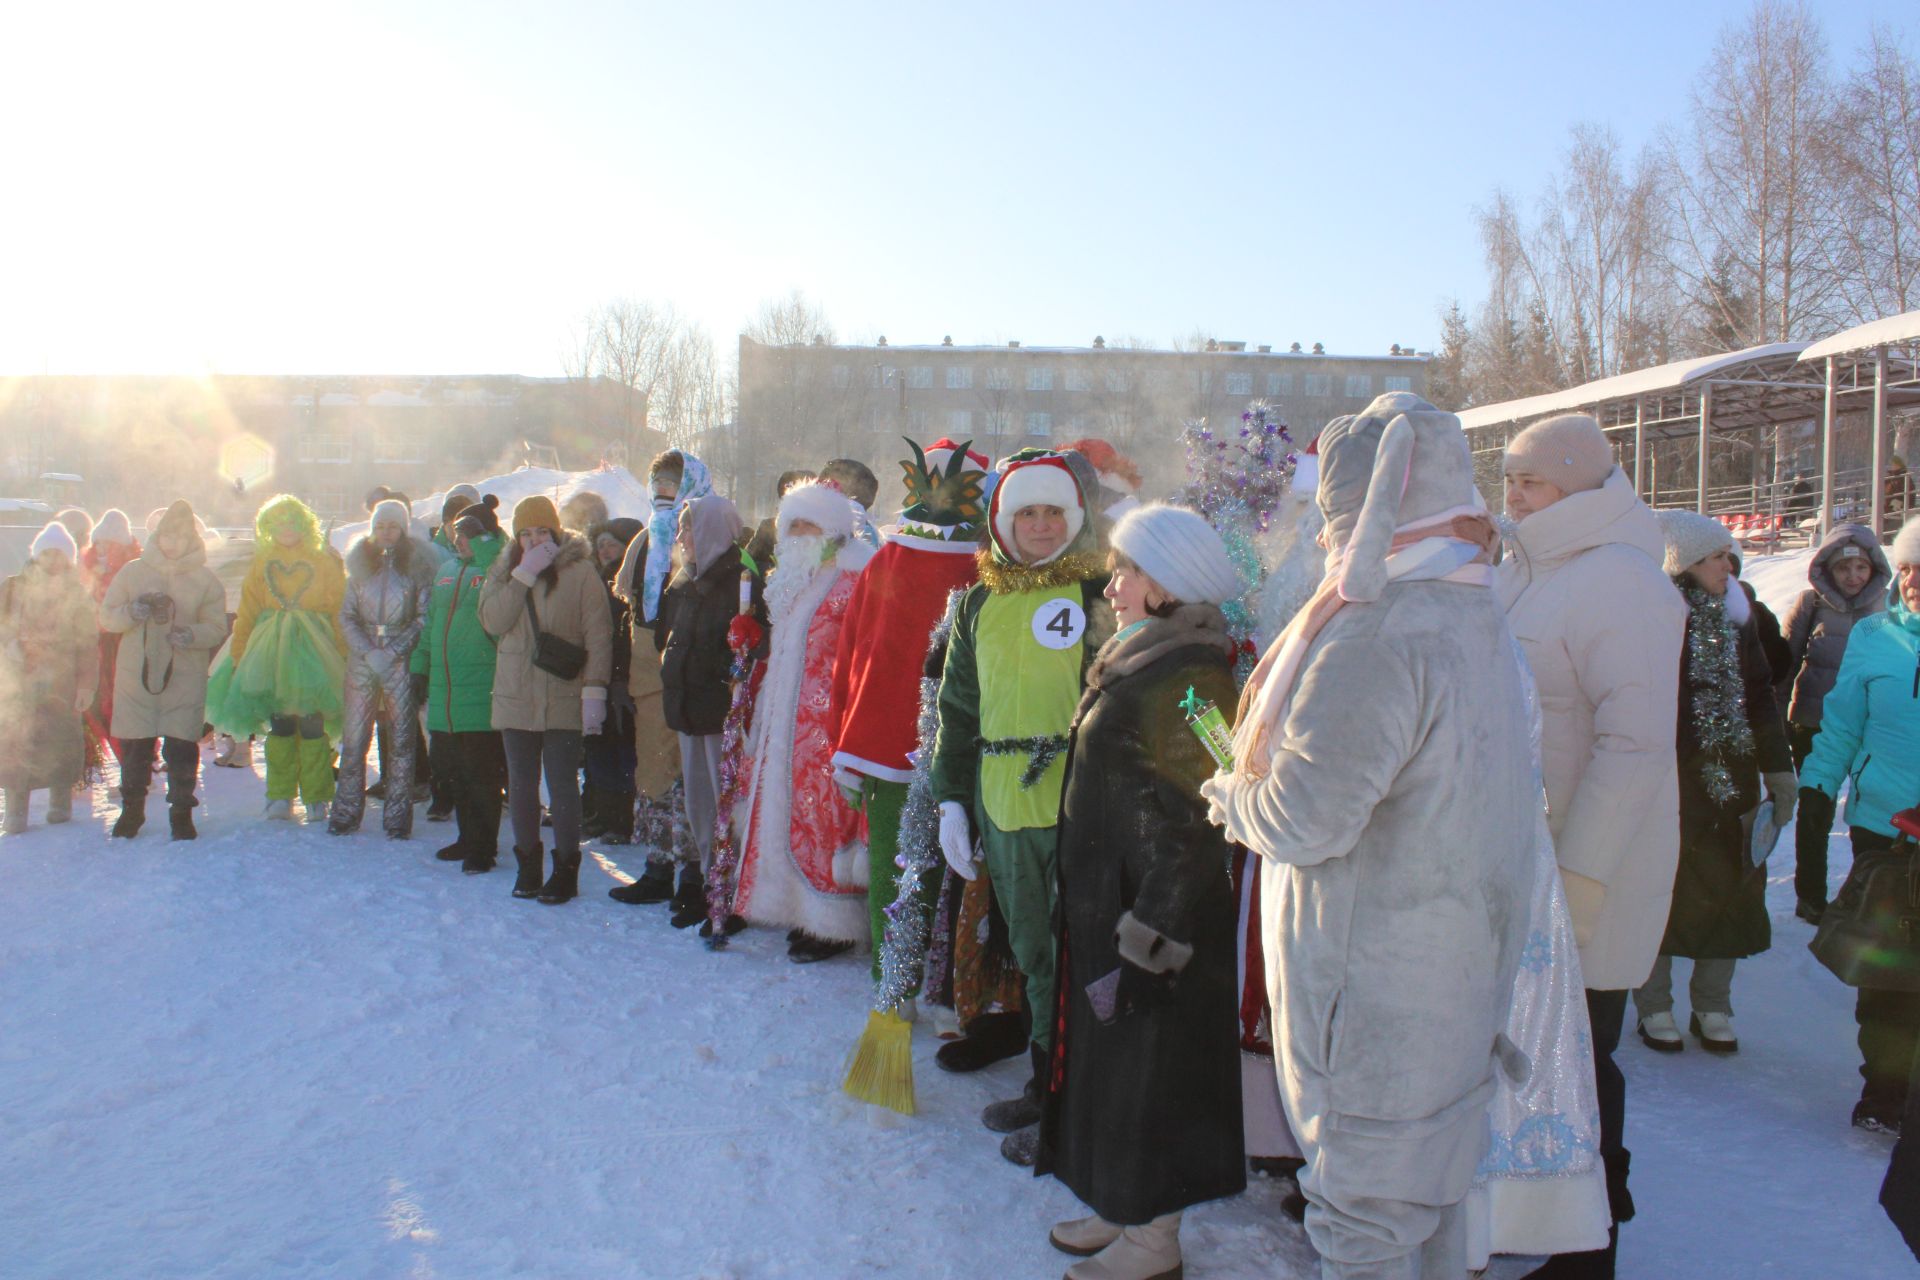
(285, 670)
(49, 665)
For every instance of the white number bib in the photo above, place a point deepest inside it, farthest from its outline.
(1059, 623)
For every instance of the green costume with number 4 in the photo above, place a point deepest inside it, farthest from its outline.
(1015, 667)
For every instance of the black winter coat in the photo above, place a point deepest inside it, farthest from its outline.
(1146, 1119)
(1719, 897)
(691, 634)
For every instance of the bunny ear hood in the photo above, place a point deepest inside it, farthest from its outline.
(1398, 462)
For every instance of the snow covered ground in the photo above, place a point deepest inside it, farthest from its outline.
(273, 1053)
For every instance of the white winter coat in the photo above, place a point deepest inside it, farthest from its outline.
(1602, 626)
(160, 690)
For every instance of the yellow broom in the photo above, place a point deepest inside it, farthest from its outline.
(880, 1068)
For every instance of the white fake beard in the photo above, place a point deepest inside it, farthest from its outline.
(797, 564)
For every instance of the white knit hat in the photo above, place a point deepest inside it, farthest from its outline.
(55, 537)
(1180, 551)
(1570, 451)
(822, 504)
(1691, 538)
(389, 509)
(114, 527)
(1906, 543)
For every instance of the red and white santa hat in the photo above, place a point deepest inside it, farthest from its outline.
(940, 453)
(1036, 482)
(1115, 469)
(1306, 469)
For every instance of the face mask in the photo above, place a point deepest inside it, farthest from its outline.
(662, 503)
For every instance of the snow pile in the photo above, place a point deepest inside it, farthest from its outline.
(626, 495)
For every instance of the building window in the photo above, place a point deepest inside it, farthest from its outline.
(880, 375)
(1279, 384)
(920, 377)
(329, 502)
(1040, 378)
(1239, 384)
(325, 447)
(397, 444)
(919, 422)
(999, 380)
(1117, 383)
(999, 423)
(960, 423)
(842, 376)
(1359, 385)
(1394, 382)
(1077, 380)
(1319, 384)
(877, 418)
(1077, 425)
(959, 377)
(1039, 424)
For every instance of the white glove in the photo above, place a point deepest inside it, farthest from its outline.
(1784, 790)
(593, 710)
(1219, 793)
(956, 839)
(535, 561)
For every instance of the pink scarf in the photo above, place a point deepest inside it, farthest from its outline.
(1273, 679)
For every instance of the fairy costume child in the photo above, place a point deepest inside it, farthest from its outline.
(285, 670)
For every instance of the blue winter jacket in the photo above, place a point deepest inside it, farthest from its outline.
(1870, 724)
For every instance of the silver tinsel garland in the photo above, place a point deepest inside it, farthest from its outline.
(1719, 702)
(903, 950)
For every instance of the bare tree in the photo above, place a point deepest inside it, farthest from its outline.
(1874, 251)
(792, 321)
(1746, 179)
(636, 350)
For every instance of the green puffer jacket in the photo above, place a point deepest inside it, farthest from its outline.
(454, 652)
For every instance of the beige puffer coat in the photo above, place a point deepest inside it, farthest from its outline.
(160, 690)
(1602, 627)
(572, 601)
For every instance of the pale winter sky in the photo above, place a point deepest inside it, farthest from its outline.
(445, 187)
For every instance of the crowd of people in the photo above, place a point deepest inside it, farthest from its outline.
(1368, 920)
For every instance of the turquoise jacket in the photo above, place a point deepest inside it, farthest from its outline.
(1870, 723)
(455, 653)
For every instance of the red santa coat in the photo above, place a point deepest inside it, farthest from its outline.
(803, 844)
(876, 677)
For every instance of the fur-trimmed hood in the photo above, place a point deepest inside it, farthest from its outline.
(1820, 572)
(1136, 647)
(411, 556)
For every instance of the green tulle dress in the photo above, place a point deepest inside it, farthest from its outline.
(291, 666)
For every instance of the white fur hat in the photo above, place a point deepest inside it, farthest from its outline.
(819, 503)
(114, 527)
(1906, 543)
(1691, 538)
(55, 537)
(1180, 551)
(1043, 482)
(390, 509)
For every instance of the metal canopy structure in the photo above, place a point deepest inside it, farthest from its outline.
(1878, 362)
(1758, 387)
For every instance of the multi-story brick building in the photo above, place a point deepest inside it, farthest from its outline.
(802, 404)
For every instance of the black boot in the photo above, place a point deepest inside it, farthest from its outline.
(133, 815)
(180, 820)
(478, 862)
(592, 820)
(564, 883)
(690, 899)
(990, 1038)
(1596, 1264)
(654, 885)
(532, 862)
(455, 852)
(1019, 1113)
(807, 949)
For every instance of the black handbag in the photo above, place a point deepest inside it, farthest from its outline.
(562, 659)
(1869, 935)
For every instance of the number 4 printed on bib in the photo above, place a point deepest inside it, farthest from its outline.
(1059, 623)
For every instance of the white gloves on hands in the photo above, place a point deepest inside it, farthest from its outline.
(593, 710)
(956, 839)
(1219, 791)
(534, 562)
(1784, 790)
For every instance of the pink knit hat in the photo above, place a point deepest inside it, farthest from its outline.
(1570, 452)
